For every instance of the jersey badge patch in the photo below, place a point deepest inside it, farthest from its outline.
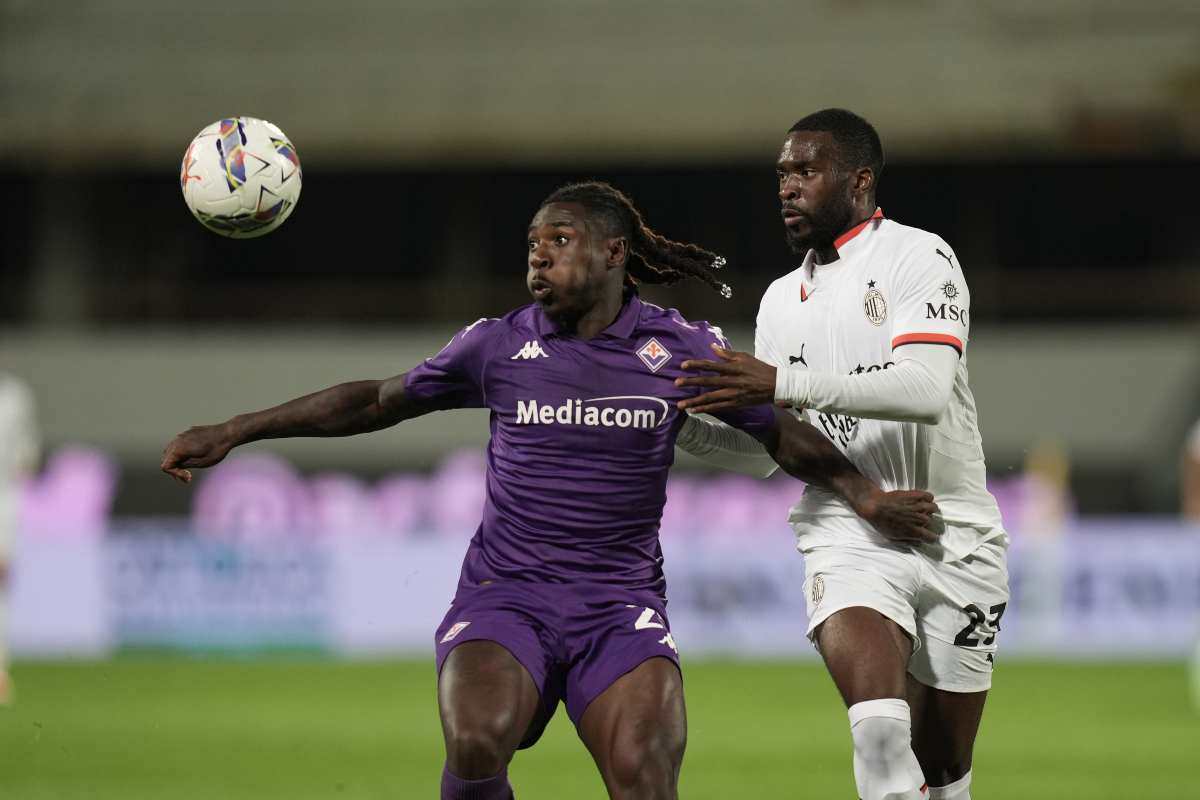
(874, 306)
(818, 590)
(654, 355)
(455, 630)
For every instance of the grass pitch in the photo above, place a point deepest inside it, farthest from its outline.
(172, 728)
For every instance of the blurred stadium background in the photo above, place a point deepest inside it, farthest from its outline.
(267, 633)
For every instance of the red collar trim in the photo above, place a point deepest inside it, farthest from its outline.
(856, 230)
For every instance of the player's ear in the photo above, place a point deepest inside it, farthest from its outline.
(864, 181)
(617, 251)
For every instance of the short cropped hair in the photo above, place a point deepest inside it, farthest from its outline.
(858, 142)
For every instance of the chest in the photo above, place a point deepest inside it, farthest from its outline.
(587, 397)
(843, 324)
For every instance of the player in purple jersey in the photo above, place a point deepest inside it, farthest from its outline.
(562, 594)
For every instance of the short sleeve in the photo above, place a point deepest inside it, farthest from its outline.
(758, 421)
(454, 377)
(932, 302)
(765, 347)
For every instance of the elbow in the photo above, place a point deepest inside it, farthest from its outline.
(931, 413)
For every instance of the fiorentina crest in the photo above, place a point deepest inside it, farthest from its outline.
(654, 355)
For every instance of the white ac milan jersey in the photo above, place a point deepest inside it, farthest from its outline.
(892, 285)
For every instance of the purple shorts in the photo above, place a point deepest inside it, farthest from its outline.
(574, 643)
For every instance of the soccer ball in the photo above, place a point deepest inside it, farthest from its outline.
(241, 177)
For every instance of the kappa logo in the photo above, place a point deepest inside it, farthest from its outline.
(654, 355)
(530, 350)
(455, 630)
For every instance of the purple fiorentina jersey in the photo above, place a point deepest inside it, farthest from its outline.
(583, 435)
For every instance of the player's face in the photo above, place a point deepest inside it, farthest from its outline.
(816, 195)
(566, 268)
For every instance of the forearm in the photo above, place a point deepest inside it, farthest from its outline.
(724, 446)
(803, 452)
(343, 410)
(916, 389)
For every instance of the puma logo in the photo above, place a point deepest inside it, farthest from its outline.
(800, 358)
(943, 255)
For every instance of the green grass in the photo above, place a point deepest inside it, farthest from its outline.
(176, 728)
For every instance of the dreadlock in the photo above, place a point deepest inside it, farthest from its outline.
(653, 258)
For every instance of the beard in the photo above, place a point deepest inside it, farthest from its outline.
(825, 224)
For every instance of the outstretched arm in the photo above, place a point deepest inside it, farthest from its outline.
(722, 445)
(342, 410)
(803, 452)
(916, 389)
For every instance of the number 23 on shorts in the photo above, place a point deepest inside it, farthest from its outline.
(980, 624)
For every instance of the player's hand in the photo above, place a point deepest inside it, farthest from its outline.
(740, 380)
(202, 446)
(904, 516)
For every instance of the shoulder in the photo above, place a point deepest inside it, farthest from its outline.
(480, 338)
(908, 243)
(779, 301)
(785, 285)
(673, 329)
(519, 320)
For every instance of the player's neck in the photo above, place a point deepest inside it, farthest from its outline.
(829, 253)
(596, 318)
(825, 255)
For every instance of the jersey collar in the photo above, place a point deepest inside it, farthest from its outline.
(810, 258)
(842, 240)
(621, 328)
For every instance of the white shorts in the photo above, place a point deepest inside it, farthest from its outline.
(950, 609)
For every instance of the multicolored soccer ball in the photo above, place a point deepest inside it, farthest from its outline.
(241, 177)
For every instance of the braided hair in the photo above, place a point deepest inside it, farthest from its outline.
(653, 258)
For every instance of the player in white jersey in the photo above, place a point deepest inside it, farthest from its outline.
(867, 338)
(18, 456)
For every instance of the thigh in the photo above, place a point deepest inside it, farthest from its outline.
(866, 654)
(606, 640)
(484, 691)
(637, 727)
(959, 614)
(944, 725)
(861, 617)
(494, 658)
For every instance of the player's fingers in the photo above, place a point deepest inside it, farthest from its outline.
(724, 353)
(912, 494)
(722, 381)
(704, 365)
(693, 403)
(181, 475)
(915, 535)
(712, 401)
(927, 536)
